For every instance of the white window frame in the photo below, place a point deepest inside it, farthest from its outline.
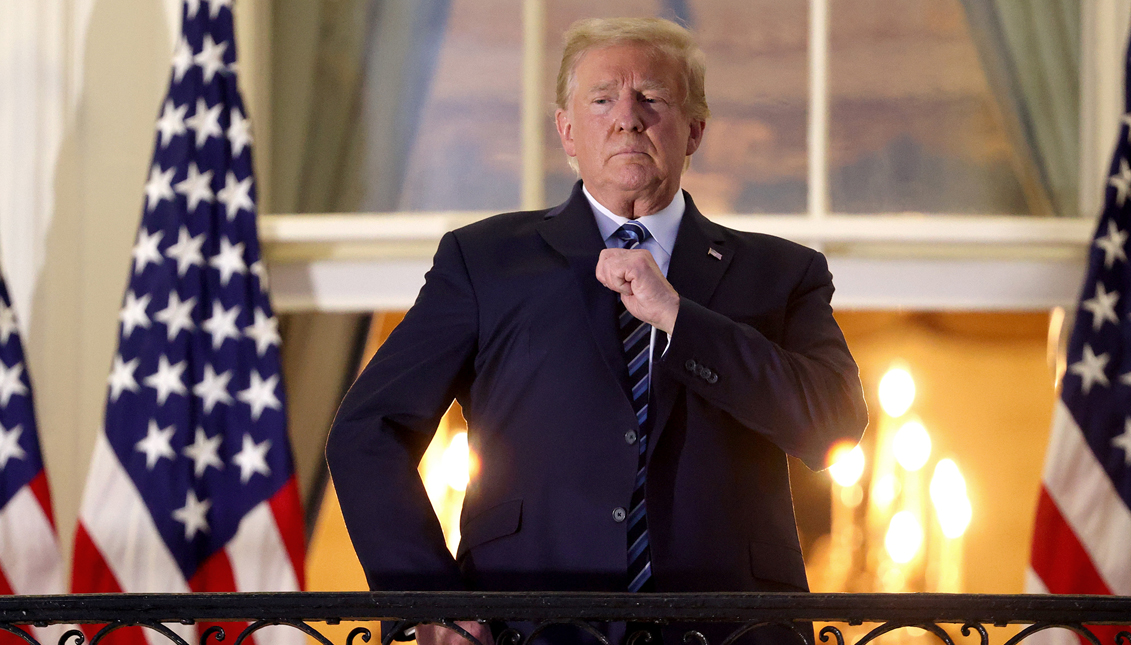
(376, 261)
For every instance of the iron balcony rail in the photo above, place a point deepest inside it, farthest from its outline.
(743, 612)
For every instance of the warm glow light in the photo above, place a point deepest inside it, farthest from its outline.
(912, 446)
(897, 391)
(892, 578)
(948, 493)
(455, 462)
(904, 537)
(848, 465)
(851, 496)
(885, 490)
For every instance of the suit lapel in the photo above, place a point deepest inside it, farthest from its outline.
(699, 260)
(572, 231)
(700, 257)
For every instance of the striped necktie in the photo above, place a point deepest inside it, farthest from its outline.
(636, 339)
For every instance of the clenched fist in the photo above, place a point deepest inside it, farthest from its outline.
(646, 294)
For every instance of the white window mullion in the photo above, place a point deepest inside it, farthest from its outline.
(818, 134)
(1103, 38)
(533, 107)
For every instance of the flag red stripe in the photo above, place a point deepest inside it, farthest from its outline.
(1058, 557)
(215, 575)
(92, 575)
(1063, 564)
(5, 588)
(7, 638)
(42, 492)
(286, 505)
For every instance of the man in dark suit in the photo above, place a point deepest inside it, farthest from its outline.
(631, 391)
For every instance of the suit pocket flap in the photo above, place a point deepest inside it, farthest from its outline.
(496, 522)
(778, 563)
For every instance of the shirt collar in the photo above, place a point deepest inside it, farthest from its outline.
(663, 225)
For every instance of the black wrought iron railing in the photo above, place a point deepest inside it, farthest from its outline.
(953, 619)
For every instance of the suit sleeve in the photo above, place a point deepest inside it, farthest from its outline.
(386, 422)
(803, 393)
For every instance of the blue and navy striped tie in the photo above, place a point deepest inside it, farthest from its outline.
(636, 339)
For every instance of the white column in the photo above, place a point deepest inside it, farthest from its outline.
(34, 82)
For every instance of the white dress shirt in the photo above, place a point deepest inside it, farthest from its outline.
(662, 225)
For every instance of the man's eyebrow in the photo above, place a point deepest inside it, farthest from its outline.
(603, 87)
(643, 86)
(655, 86)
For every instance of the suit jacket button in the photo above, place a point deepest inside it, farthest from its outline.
(713, 378)
(619, 514)
(630, 437)
(690, 365)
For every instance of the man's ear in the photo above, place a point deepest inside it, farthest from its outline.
(696, 136)
(565, 131)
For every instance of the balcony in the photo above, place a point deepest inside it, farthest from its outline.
(841, 619)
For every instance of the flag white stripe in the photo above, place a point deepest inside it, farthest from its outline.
(140, 562)
(1033, 582)
(122, 531)
(260, 562)
(1088, 501)
(259, 557)
(29, 554)
(29, 551)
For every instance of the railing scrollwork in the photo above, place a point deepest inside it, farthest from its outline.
(524, 617)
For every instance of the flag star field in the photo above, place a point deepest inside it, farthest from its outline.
(195, 426)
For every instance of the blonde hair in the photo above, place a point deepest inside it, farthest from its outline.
(663, 35)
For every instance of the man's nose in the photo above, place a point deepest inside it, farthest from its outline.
(629, 115)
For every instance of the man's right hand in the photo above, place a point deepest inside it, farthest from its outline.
(440, 635)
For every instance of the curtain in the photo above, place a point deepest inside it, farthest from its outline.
(349, 80)
(1031, 54)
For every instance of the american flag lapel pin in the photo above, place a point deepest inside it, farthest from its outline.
(713, 253)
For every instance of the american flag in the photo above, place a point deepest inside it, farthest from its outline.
(1083, 526)
(191, 487)
(29, 547)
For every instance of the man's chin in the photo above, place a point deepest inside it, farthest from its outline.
(635, 178)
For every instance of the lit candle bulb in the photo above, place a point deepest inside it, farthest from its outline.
(953, 512)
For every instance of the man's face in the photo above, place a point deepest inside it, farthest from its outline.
(625, 122)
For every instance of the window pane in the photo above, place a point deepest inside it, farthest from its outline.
(467, 150)
(914, 122)
(399, 105)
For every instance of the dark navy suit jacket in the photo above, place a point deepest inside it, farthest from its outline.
(513, 323)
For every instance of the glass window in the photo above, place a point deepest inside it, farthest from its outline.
(930, 110)
(467, 151)
(936, 106)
